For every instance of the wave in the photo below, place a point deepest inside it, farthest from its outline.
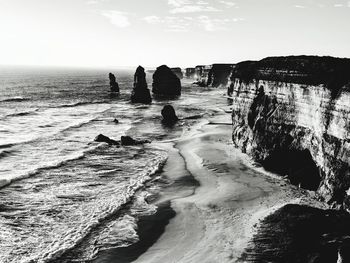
(55, 164)
(21, 113)
(75, 237)
(14, 99)
(80, 103)
(54, 133)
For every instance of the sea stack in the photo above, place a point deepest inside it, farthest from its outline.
(140, 93)
(113, 83)
(178, 72)
(165, 82)
(169, 115)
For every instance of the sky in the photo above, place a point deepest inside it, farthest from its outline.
(185, 33)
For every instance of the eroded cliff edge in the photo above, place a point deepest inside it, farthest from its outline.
(292, 114)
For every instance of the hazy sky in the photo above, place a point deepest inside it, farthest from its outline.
(104, 33)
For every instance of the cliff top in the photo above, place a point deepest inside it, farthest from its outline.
(312, 70)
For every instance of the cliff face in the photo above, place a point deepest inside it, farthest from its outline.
(296, 120)
(219, 75)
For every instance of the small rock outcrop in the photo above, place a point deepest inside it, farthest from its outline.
(165, 82)
(140, 93)
(128, 141)
(124, 140)
(103, 138)
(113, 83)
(178, 72)
(169, 115)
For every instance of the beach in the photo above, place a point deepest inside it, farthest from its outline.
(212, 203)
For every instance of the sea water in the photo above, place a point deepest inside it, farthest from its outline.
(61, 191)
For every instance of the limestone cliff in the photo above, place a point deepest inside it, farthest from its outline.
(292, 114)
(219, 75)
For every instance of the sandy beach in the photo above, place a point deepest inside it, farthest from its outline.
(217, 195)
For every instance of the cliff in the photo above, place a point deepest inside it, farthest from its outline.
(292, 114)
(219, 74)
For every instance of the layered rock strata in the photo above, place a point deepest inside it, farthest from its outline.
(292, 114)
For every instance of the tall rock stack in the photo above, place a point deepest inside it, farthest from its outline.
(165, 82)
(113, 83)
(140, 93)
(178, 72)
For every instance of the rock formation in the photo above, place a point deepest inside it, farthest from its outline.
(169, 115)
(128, 141)
(113, 83)
(219, 75)
(178, 72)
(165, 82)
(103, 138)
(190, 73)
(140, 93)
(124, 140)
(202, 72)
(292, 114)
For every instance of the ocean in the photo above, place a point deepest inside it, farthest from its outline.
(63, 196)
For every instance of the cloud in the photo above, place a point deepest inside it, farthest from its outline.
(178, 3)
(348, 3)
(228, 3)
(117, 18)
(193, 9)
(152, 20)
(92, 2)
(299, 6)
(190, 6)
(216, 24)
(338, 5)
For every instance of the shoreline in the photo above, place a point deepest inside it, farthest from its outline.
(224, 208)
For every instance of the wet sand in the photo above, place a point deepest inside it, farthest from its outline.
(216, 196)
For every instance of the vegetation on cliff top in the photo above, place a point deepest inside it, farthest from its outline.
(333, 72)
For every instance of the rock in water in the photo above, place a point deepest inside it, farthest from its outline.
(103, 138)
(113, 83)
(165, 82)
(169, 115)
(127, 141)
(140, 93)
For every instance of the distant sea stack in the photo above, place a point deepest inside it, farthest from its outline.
(190, 73)
(140, 93)
(292, 114)
(165, 82)
(178, 72)
(202, 72)
(113, 83)
(219, 75)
